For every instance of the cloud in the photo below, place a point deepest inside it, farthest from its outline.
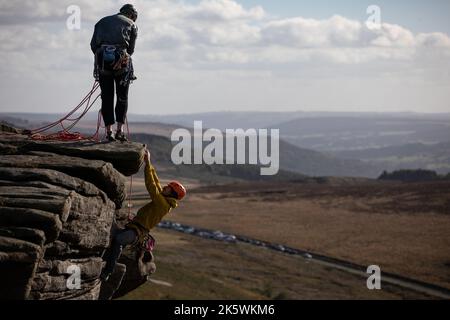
(306, 33)
(241, 34)
(179, 41)
(26, 12)
(223, 10)
(433, 40)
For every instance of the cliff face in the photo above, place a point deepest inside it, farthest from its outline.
(58, 205)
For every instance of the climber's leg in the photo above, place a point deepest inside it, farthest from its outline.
(122, 87)
(121, 240)
(107, 87)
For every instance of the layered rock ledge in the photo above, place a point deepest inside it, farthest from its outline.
(59, 202)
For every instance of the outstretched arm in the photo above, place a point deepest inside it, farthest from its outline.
(151, 179)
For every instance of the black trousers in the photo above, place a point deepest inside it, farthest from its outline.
(121, 239)
(107, 83)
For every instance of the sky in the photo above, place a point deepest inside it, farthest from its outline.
(236, 55)
(416, 15)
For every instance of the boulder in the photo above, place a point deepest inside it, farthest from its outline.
(8, 149)
(6, 128)
(31, 218)
(47, 179)
(58, 202)
(99, 173)
(18, 262)
(125, 157)
(31, 235)
(53, 278)
(89, 223)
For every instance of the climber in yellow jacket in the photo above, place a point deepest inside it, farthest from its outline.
(164, 199)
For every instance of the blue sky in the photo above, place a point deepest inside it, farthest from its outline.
(416, 15)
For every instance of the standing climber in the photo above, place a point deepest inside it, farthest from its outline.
(164, 199)
(113, 44)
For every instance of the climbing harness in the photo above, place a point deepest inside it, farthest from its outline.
(114, 60)
(147, 244)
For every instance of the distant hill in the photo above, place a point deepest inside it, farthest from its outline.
(224, 120)
(353, 133)
(302, 161)
(252, 119)
(310, 129)
(14, 122)
(356, 144)
(294, 158)
(412, 176)
(410, 156)
(295, 163)
(314, 163)
(161, 148)
(317, 143)
(407, 150)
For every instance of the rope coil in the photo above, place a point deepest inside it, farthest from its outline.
(65, 134)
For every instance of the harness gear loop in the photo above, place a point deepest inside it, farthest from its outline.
(147, 244)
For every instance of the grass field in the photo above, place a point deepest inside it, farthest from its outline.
(194, 268)
(403, 228)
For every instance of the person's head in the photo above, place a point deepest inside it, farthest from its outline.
(129, 11)
(174, 190)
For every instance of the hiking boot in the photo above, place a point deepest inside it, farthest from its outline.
(110, 137)
(121, 136)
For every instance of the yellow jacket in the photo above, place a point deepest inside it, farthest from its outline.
(153, 212)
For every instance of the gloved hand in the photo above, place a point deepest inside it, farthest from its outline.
(147, 157)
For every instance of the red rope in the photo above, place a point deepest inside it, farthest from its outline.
(51, 125)
(130, 193)
(65, 134)
(130, 200)
(128, 128)
(96, 135)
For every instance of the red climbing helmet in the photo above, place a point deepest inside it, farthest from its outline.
(178, 188)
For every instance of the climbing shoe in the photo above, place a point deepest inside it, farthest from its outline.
(121, 136)
(110, 137)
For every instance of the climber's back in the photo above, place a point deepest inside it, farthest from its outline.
(117, 30)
